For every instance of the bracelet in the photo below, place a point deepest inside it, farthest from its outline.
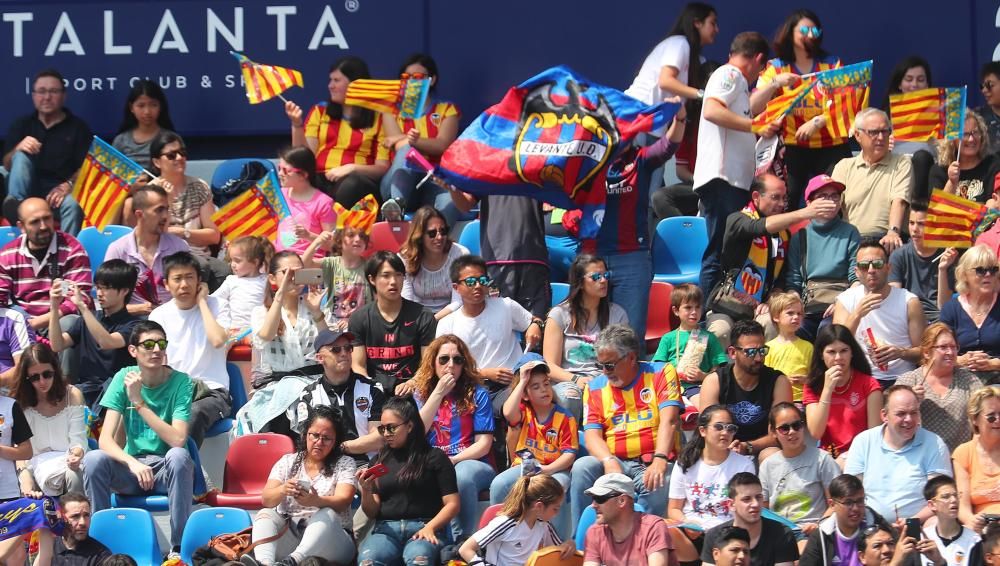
(138, 406)
(539, 322)
(319, 317)
(661, 456)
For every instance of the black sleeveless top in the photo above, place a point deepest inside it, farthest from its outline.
(749, 408)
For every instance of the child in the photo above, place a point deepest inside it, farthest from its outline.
(343, 275)
(789, 354)
(311, 209)
(521, 527)
(244, 289)
(954, 541)
(685, 302)
(989, 548)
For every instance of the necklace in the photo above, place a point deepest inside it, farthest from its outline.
(846, 386)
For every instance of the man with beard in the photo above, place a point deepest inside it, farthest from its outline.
(75, 547)
(621, 535)
(771, 543)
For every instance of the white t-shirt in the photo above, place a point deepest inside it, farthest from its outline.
(188, 349)
(957, 552)
(703, 489)
(889, 323)
(673, 51)
(239, 296)
(491, 335)
(343, 472)
(510, 543)
(723, 153)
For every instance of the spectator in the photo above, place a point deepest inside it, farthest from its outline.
(877, 546)
(924, 271)
(748, 388)
(775, 542)
(725, 165)
(311, 210)
(788, 354)
(15, 336)
(795, 479)
(887, 319)
(969, 174)
(54, 410)
(836, 539)
(393, 330)
(146, 114)
(428, 254)
(989, 548)
(841, 397)
(622, 536)
(977, 462)
(343, 273)
(895, 460)
(241, 292)
(572, 327)
(30, 263)
(975, 314)
(649, 402)
(15, 447)
(146, 247)
(307, 498)
(911, 74)
(989, 86)
(754, 251)
(45, 151)
(75, 547)
(151, 405)
(943, 389)
(457, 415)
(877, 181)
(347, 140)
(197, 341)
(414, 501)
(732, 547)
(834, 245)
(953, 541)
(100, 340)
(685, 303)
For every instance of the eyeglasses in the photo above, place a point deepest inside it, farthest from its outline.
(316, 437)
(788, 427)
(991, 418)
(866, 265)
(602, 499)
(984, 271)
(389, 429)
(974, 134)
(854, 503)
(338, 349)
(884, 133)
(289, 170)
(46, 375)
(726, 427)
(776, 197)
(457, 360)
(174, 155)
(987, 85)
(598, 275)
(946, 348)
(609, 366)
(481, 280)
(47, 91)
(150, 344)
(813, 30)
(754, 352)
(434, 232)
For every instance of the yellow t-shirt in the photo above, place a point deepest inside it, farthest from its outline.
(791, 359)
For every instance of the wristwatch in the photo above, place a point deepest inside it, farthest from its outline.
(894, 229)
(187, 233)
(701, 93)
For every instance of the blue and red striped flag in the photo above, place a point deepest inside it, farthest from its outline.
(551, 138)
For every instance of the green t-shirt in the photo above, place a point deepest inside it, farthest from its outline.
(672, 346)
(171, 400)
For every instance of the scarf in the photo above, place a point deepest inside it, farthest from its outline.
(763, 262)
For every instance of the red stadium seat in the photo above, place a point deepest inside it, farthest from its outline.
(658, 319)
(388, 236)
(489, 514)
(248, 463)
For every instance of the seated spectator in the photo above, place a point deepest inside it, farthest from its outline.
(146, 247)
(15, 447)
(888, 320)
(489, 326)
(878, 546)
(622, 536)
(428, 254)
(926, 272)
(787, 353)
(748, 388)
(975, 313)
(977, 461)
(836, 539)
(307, 499)
(458, 418)
(15, 336)
(146, 114)
(794, 480)
(145, 430)
(392, 330)
(311, 210)
(841, 398)
(685, 303)
(834, 246)
(631, 422)
(414, 501)
(343, 271)
(54, 410)
(954, 541)
(100, 339)
(75, 546)
(45, 149)
(895, 460)
(732, 547)
(772, 542)
(572, 326)
(197, 341)
(241, 292)
(969, 174)
(911, 74)
(877, 181)
(943, 389)
(989, 86)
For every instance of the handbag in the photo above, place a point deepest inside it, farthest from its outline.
(725, 299)
(231, 546)
(817, 294)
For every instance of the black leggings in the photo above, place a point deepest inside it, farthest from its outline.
(675, 200)
(350, 189)
(804, 163)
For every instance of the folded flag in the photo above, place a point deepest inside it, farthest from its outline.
(841, 106)
(842, 91)
(361, 216)
(779, 106)
(103, 182)
(404, 96)
(928, 114)
(951, 220)
(551, 138)
(255, 212)
(264, 82)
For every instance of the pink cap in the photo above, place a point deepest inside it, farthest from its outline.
(820, 181)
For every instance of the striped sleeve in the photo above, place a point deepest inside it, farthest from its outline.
(76, 269)
(494, 531)
(551, 537)
(668, 389)
(312, 121)
(569, 440)
(381, 152)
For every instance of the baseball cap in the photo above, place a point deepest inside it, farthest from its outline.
(612, 483)
(530, 361)
(327, 337)
(820, 181)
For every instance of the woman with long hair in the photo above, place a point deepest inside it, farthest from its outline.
(311, 491)
(572, 327)
(146, 114)
(414, 500)
(428, 254)
(311, 210)
(841, 397)
(347, 140)
(458, 416)
(968, 166)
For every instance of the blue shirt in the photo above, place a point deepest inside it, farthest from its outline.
(985, 338)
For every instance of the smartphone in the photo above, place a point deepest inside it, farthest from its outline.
(913, 529)
(377, 471)
(310, 276)
(305, 485)
(66, 286)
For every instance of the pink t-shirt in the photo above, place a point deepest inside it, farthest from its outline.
(649, 535)
(311, 214)
(848, 412)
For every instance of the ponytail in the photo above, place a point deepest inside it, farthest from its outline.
(691, 452)
(529, 489)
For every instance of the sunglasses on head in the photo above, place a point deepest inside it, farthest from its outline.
(433, 232)
(807, 30)
(174, 155)
(150, 344)
(876, 263)
(598, 275)
(788, 427)
(984, 271)
(48, 374)
(338, 349)
(473, 281)
(457, 360)
(727, 427)
(602, 499)
(754, 352)
(389, 428)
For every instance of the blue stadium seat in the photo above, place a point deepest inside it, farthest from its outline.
(206, 523)
(470, 237)
(678, 247)
(96, 242)
(159, 502)
(238, 392)
(128, 531)
(559, 292)
(8, 234)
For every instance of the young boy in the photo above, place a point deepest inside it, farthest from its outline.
(954, 541)
(789, 354)
(685, 302)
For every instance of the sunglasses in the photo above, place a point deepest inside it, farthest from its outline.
(174, 155)
(338, 349)
(866, 265)
(49, 374)
(289, 170)
(150, 344)
(987, 85)
(984, 271)
(813, 30)
(598, 275)
(609, 366)
(727, 427)
(754, 352)
(389, 429)
(602, 499)
(433, 233)
(481, 280)
(457, 360)
(788, 427)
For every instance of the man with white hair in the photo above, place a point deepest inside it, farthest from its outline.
(877, 181)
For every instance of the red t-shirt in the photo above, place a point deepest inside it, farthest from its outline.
(848, 412)
(649, 535)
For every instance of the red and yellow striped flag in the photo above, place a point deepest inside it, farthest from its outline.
(841, 105)
(103, 183)
(779, 106)
(264, 82)
(361, 216)
(377, 95)
(926, 114)
(951, 220)
(255, 212)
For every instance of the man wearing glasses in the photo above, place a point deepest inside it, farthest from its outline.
(47, 148)
(877, 181)
(835, 541)
(621, 535)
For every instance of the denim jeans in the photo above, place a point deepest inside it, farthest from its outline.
(22, 182)
(391, 543)
(719, 199)
(570, 397)
(473, 476)
(633, 275)
(586, 470)
(400, 182)
(504, 482)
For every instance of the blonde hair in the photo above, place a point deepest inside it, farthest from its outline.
(976, 256)
(976, 401)
(529, 489)
(782, 301)
(947, 151)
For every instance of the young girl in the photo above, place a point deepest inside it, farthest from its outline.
(244, 289)
(789, 354)
(521, 527)
(344, 274)
(312, 211)
(685, 302)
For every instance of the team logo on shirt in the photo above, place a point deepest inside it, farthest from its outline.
(551, 436)
(363, 404)
(436, 118)
(646, 395)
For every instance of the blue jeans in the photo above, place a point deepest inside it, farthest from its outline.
(504, 482)
(570, 397)
(391, 544)
(473, 476)
(173, 475)
(719, 199)
(400, 182)
(633, 275)
(22, 182)
(586, 470)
